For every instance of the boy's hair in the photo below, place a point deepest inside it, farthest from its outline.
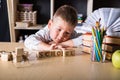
(67, 13)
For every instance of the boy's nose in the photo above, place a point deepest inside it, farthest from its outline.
(61, 36)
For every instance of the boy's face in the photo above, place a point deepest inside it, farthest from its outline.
(60, 30)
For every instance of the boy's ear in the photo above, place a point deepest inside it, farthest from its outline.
(50, 23)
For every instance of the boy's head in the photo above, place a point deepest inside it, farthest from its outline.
(63, 23)
(68, 14)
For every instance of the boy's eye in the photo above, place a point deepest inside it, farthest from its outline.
(67, 33)
(59, 29)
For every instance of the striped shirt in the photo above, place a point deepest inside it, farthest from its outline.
(43, 35)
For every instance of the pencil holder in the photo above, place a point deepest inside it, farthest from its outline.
(96, 48)
(97, 54)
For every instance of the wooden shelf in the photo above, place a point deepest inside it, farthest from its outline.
(37, 27)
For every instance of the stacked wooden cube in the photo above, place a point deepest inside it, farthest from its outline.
(17, 55)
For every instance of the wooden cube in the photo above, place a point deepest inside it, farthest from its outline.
(68, 52)
(47, 53)
(52, 53)
(17, 59)
(40, 54)
(58, 53)
(6, 56)
(19, 51)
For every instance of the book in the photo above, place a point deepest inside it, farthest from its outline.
(109, 46)
(107, 39)
(87, 36)
(105, 47)
(108, 55)
(87, 42)
(111, 40)
(86, 49)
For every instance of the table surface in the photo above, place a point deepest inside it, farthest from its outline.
(56, 68)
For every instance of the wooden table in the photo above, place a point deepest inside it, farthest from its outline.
(77, 67)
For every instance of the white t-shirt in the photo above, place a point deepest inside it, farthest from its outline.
(43, 35)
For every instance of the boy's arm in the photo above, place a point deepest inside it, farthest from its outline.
(39, 40)
(33, 44)
(68, 43)
(45, 46)
(73, 42)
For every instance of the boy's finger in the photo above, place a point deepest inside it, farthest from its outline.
(53, 46)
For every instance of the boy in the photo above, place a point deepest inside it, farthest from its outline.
(59, 33)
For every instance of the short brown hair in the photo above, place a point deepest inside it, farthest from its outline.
(67, 13)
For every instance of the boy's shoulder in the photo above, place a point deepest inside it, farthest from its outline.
(43, 31)
(44, 28)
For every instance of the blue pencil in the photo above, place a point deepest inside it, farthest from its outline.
(96, 53)
(98, 41)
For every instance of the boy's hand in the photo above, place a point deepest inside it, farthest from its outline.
(52, 46)
(56, 46)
